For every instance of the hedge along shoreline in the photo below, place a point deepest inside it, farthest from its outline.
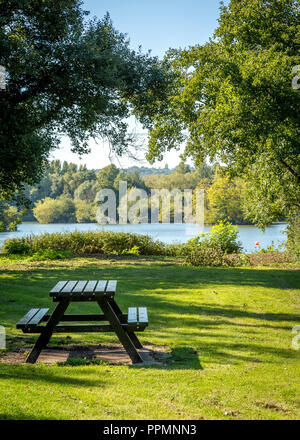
(90, 242)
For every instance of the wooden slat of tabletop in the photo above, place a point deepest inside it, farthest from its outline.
(111, 286)
(89, 288)
(79, 288)
(100, 288)
(58, 287)
(69, 287)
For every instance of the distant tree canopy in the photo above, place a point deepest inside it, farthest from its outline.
(61, 210)
(233, 102)
(67, 193)
(65, 74)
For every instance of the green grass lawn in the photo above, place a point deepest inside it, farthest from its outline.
(229, 329)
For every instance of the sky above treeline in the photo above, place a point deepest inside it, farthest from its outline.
(156, 25)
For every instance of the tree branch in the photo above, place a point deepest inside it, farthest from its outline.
(295, 174)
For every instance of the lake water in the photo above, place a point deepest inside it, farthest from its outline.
(167, 233)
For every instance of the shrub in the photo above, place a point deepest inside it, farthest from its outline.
(60, 210)
(85, 211)
(212, 248)
(293, 239)
(175, 250)
(205, 255)
(224, 235)
(16, 246)
(99, 242)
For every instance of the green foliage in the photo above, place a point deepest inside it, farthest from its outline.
(85, 211)
(102, 242)
(211, 249)
(293, 238)
(70, 75)
(135, 250)
(204, 253)
(180, 180)
(106, 177)
(61, 210)
(224, 198)
(270, 248)
(10, 217)
(225, 235)
(17, 246)
(86, 191)
(232, 101)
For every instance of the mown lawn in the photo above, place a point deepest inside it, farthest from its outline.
(230, 330)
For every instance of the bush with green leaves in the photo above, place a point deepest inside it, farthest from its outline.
(293, 239)
(203, 253)
(212, 248)
(60, 210)
(18, 246)
(225, 236)
(91, 242)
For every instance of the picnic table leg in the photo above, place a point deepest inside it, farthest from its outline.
(46, 333)
(135, 340)
(120, 332)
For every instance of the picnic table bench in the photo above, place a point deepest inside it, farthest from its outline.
(100, 291)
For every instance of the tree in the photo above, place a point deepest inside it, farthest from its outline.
(65, 75)
(133, 180)
(107, 176)
(86, 191)
(224, 199)
(85, 211)
(233, 102)
(61, 210)
(10, 218)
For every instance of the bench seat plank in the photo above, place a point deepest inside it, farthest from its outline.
(132, 316)
(26, 318)
(143, 316)
(36, 319)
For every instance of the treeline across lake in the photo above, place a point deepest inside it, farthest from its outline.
(66, 193)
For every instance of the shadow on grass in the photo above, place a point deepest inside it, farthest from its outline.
(17, 414)
(26, 374)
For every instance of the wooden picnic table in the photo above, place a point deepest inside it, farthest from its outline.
(101, 291)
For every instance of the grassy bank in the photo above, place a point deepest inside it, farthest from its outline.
(229, 330)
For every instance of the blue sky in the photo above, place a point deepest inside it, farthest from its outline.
(156, 25)
(160, 24)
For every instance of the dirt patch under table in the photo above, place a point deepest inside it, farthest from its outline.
(112, 354)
